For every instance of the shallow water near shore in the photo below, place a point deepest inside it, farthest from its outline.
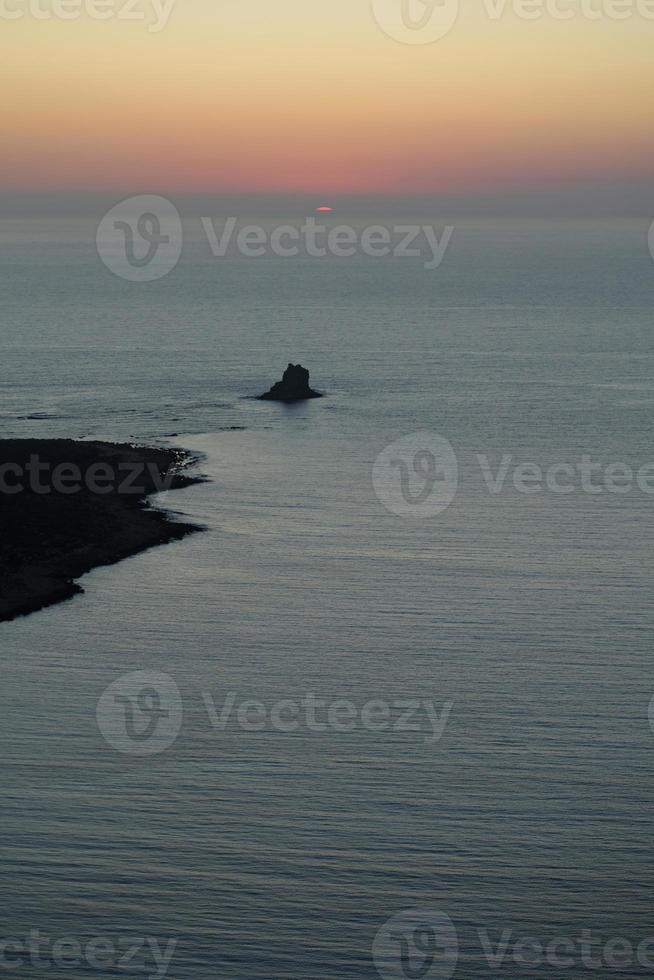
(281, 854)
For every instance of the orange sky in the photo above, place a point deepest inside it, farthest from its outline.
(297, 95)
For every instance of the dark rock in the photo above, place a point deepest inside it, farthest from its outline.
(294, 386)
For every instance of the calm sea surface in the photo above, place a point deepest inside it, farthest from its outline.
(524, 619)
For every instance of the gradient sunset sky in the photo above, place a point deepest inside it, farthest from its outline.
(312, 96)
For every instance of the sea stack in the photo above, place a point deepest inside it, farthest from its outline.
(294, 386)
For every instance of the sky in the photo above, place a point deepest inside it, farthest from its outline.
(316, 97)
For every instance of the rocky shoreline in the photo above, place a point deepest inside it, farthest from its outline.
(68, 507)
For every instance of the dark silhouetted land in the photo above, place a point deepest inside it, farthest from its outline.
(67, 507)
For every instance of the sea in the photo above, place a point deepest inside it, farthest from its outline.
(390, 714)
